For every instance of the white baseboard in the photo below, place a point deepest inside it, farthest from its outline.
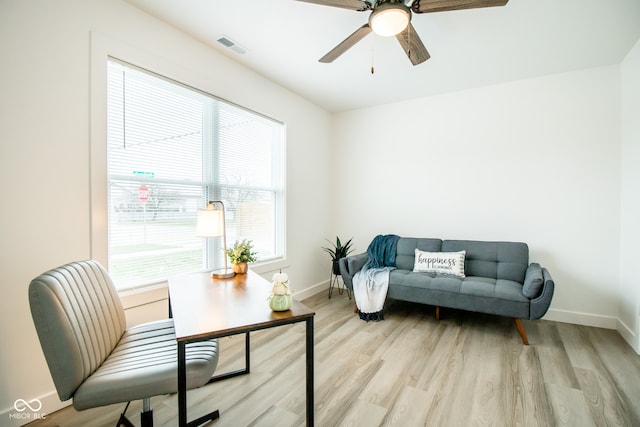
(579, 318)
(598, 321)
(312, 290)
(49, 403)
(629, 336)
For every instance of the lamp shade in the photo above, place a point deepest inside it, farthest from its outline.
(389, 19)
(210, 222)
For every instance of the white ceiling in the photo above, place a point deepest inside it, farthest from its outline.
(470, 48)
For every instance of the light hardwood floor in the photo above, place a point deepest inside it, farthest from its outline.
(410, 370)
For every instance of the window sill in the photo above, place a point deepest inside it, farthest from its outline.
(269, 266)
(132, 298)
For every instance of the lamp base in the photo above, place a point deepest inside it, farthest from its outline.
(222, 273)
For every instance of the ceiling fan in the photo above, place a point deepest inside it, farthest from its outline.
(393, 18)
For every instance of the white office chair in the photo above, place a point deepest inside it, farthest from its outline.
(91, 355)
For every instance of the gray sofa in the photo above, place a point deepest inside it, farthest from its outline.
(498, 279)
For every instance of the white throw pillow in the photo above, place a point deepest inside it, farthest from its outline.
(440, 262)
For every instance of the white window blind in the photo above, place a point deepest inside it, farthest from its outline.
(172, 148)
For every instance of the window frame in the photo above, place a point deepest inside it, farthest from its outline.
(102, 49)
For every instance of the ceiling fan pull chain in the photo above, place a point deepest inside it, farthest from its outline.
(372, 54)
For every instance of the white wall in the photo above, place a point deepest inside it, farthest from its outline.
(629, 326)
(45, 156)
(534, 161)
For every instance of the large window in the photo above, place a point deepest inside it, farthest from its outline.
(172, 148)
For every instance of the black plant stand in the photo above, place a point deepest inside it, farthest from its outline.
(334, 282)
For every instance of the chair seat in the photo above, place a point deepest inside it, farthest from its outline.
(144, 364)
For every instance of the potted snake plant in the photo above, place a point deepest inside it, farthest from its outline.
(337, 251)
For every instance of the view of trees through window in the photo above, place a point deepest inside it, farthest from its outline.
(172, 148)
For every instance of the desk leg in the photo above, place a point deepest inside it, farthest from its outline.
(182, 392)
(310, 385)
(247, 353)
(247, 364)
(182, 384)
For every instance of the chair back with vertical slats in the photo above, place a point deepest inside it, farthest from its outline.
(79, 319)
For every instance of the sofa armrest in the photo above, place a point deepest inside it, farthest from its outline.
(540, 304)
(351, 265)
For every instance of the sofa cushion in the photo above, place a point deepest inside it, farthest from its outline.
(497, 260)
(439, 262)
(533, 281)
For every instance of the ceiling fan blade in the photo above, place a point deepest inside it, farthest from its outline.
(345, 4)
(346, 44)
(427, 6)
(412, 45)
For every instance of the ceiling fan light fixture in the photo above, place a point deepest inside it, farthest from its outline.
(389, 19)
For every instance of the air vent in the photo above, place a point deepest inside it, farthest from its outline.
(230, 44)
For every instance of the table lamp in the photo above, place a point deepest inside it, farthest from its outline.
(211, 223)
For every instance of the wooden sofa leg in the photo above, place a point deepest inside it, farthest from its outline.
(523, 333)
(437, 313)
(355, 308)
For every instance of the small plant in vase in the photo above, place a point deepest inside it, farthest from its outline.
(280, 297)
(240, 254)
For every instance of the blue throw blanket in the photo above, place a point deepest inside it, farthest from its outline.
(382, 251)
(371, 283)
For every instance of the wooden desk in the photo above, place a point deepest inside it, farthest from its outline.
(204, 308)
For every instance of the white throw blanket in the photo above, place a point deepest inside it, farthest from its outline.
(370, 291)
